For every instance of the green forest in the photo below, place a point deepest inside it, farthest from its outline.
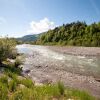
(73, 34)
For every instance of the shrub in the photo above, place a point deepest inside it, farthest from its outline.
(7, 46)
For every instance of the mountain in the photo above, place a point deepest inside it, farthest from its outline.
(28, 38)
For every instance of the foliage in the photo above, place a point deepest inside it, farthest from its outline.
(49, 92)
(27, 38)
(14, 88)
(78, 95)
(3, 91)
(76, 34)
(7, 49)
(17, 62)
(4, 79)
(27, 82)
(61, 88)
(12, 85)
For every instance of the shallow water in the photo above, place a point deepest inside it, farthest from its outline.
(76, 64)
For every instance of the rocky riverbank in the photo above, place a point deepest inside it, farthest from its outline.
(48, 64)
(82, 51)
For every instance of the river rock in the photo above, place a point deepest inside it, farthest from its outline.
(27, 71)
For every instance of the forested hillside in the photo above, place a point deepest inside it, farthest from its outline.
(76, 34)
(28, 38)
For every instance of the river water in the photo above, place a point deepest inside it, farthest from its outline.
(76, 64)
(46, 65)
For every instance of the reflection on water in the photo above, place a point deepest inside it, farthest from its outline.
(78, 63)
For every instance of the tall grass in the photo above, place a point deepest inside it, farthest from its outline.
(10, 89)
(61, 88)
(3, 91)
(48, 92)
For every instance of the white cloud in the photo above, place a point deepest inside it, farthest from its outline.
(41, 26)
(2, 20)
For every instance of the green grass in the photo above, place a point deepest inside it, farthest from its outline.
(3, 91)
(78, 95)
(14, 88)
(49, 92)
(12, 91)
(61, 88)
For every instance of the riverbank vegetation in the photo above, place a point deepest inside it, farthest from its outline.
(7, 49)
(73, 34)
(15, 86)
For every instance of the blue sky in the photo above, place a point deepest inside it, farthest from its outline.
(21, 17)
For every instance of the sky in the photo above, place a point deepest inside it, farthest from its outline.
(23, 17)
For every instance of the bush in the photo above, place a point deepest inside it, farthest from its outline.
(7, 49)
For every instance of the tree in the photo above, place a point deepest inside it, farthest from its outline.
(76, 33)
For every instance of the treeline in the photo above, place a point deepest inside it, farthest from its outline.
(75, 34)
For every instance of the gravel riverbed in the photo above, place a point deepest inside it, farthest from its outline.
(77, 67)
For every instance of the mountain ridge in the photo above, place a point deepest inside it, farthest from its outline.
(28, 38)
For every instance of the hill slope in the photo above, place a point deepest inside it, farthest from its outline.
(76, 33)
(28, 38)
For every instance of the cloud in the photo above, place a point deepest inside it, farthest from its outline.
(41, 26)
(2, 20)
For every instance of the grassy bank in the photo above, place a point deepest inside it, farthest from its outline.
(13, 86)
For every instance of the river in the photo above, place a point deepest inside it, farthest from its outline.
(48, 66)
